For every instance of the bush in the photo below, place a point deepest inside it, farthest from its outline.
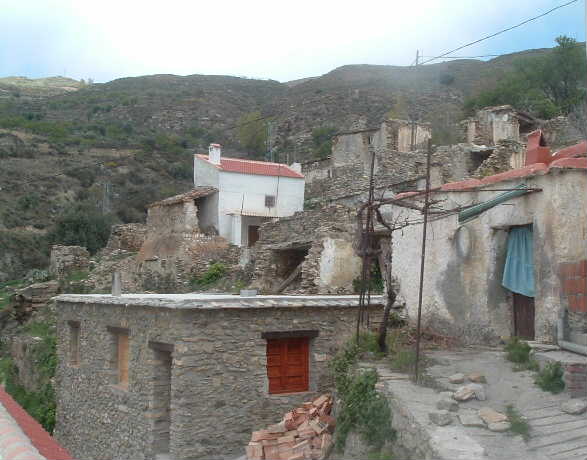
(82, 226)
(322, 140)
(215, 272)
(550, 378)
(517, 351)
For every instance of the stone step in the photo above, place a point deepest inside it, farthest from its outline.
(553, 443)
(547, 430)
(577, 453)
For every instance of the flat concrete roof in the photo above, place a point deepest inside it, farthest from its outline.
(218, 301)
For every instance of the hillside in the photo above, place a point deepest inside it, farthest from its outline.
(120, 145)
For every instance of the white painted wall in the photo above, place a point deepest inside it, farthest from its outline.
(205, 174)
(246, 193)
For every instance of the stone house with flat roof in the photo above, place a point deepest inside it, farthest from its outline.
(189, 375)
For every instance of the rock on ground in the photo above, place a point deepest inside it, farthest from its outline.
(447, 404)
(471, 420)
(476, 377)
(440, 418)
(490, 416)
(457, 378)
(574, 406)
(499, 427)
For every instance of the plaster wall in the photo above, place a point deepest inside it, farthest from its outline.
(339, 265)
(205, 174)
(463, 295)
(219, 385)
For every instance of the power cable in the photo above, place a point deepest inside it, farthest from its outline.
(499, 32)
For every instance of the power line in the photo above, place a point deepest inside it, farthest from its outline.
(500, 32)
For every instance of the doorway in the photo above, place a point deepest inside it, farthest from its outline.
(523, 316)
(253, 235)
(161, 406)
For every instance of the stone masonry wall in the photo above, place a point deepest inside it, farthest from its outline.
(68, 259)
(218, 376)
(128, 237)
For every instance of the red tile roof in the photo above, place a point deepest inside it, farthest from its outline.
(262, 168)
(47, 446)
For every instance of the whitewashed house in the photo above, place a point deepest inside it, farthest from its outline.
(249, 193)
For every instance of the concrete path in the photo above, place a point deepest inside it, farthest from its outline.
(554, 435)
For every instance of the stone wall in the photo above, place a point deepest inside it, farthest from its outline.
(128, 237)
(68, 259)
(559, 132)
(219, 386)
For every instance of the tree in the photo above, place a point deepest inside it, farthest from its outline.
(322, 140)
(545, 86)
(252, 134)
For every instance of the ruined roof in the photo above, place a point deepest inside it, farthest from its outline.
(261, 168)
(23, 437)
(197, 192)
(573, 157)
(218, 301)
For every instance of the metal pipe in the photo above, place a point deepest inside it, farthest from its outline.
(423, 259)
(564, 344)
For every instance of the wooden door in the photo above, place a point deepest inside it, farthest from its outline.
(287, 365)
(524, 316)
(253, 234)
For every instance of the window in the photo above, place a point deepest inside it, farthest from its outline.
(269, 201)
(74, 328)
(119, 360)
(287, 365)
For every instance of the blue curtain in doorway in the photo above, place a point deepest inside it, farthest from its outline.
(518, 274)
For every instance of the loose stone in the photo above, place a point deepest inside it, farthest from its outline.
(499, 427)
(440, 418)
(447, 404)
(471, 420)
(490, 416)
(478, 390)
(457, 378)
(574, 406)
(476, 377)
(464, 394)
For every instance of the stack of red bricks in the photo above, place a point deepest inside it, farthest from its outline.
(304, 433)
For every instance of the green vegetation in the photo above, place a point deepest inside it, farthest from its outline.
(252, 134)
(82, 225)
(28, 249)
(517, 351)
(39, 404)
(362, 408)
(519, 424)
(545, 86)
(550, 378)
(376, 283)
(322, 141)
(404, 360)
(6, 290)
(215, 272)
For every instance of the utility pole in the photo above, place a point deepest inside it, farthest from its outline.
(269, 144)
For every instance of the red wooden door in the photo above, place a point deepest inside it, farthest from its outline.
(287, 365)
(524, 316)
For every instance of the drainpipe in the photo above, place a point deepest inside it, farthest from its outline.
(560, 336)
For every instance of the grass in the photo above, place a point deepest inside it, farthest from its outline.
(550, 378)
(6, 290)
(530, 365)
(517, 351)
(519, 424)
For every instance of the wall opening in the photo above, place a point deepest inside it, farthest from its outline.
(161, 397)
(287, 260)
(74, 330)
(119, 356)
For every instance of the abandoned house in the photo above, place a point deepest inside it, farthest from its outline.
(510, 258)
(189, 376)
(248, 194)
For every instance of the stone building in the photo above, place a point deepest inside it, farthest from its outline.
(468, 250)
(189, 376)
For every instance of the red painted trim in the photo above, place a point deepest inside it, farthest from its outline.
(43, 441)
(573, 163)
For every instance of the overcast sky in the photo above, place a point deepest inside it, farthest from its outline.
(108, 39)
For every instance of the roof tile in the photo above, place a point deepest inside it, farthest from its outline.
(262, 168)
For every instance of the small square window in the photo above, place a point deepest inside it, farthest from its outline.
(269, 201)
(74, 329)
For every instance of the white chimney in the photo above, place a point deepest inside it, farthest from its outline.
(214, 153)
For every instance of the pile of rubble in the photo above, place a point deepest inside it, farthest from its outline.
(304, 433)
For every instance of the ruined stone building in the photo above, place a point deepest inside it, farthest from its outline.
(189, 376)
(542, 207)
(247, 193)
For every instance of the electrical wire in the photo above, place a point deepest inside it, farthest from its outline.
(487, 37)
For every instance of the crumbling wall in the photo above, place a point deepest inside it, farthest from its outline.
(128, 237)
(559, 132)
(325, 237)
(500, 159)
(178, 217)
(68, 259)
